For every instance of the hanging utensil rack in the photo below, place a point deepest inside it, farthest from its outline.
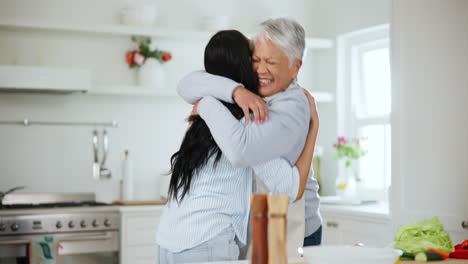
(27, 122)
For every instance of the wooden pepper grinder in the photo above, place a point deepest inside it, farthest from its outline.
(259, 229)
(277, 238)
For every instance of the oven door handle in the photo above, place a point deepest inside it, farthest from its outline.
(104, 236)
(14, 242)
(74, 238)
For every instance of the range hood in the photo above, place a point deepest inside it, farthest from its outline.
(17, 78)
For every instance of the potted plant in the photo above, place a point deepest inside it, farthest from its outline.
(148, 60)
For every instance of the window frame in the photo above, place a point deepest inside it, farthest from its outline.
(350, 46)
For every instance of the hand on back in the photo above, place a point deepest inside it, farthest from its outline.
(314, 118)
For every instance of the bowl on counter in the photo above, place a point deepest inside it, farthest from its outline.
(350, 255)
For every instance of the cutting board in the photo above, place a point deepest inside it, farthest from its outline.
(129, 203)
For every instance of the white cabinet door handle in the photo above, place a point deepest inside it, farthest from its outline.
(465, 224)
(332, 224)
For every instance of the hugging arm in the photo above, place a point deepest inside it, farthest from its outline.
(246, 145)
(199, 84)
(278, 175)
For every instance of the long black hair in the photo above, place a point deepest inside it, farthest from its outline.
(227, 54)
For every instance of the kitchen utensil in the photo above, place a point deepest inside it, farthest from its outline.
(350, 255)
(127, 177)
(277, 240)
(104, 172)
(259, 229)
(3, 194)
(96, 166)
(105, 144)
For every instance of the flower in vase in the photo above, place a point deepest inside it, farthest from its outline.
(129, 57)
(139, 59)
(138, 56)
(166, 57)
(349, 149)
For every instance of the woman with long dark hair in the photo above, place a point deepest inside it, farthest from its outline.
(207, 213)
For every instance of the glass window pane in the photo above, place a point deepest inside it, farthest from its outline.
(372, 166)
(388, 155)
(375, 83)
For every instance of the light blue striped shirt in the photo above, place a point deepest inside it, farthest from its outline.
(219, 198)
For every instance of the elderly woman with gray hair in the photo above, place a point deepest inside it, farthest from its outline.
(282, 117)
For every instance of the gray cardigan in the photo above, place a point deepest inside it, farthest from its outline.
(245, 145)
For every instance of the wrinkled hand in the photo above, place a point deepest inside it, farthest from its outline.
(314, 117)
(250, 101)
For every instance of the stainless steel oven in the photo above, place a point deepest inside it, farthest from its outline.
(85, 234)
(92, 247)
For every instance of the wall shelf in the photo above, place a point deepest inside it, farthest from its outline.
(128, 30)
(131, 90)
(140, 91)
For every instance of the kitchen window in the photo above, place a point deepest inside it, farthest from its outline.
(364, 104)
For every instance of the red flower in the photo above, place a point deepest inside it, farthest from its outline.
(166, 57)
(129, 57)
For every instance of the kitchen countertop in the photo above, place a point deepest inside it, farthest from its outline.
(62, 210)
(140, 208)
(447, 261)
(290, 261)
(378, 210)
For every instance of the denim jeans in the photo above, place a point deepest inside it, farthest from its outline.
(315, 239)
(221, 248)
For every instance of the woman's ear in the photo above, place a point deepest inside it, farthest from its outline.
(296, 66)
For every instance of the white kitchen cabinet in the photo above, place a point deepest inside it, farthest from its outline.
(138, 234)
(348, 225)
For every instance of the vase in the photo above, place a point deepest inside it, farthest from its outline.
(346, 183)
(151, 74)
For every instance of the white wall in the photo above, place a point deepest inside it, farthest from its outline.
(59, 159)
(429, 145)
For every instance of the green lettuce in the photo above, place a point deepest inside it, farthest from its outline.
(420, 236)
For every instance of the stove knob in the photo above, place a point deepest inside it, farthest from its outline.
(107, 223)
(58, 224)
(83, 224)
(95, 223)
(14, 227)
(2, 227)
(71, 224)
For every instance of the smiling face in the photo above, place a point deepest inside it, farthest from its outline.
(272, 67)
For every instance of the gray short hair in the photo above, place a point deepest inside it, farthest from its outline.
(286, 33)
